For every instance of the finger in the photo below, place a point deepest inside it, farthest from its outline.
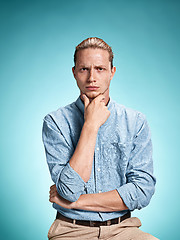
(54, 185)
(86, 100)
(105, 90)
(99, 98)
(52, 195)
(103, 101)
(51, 200)
(52, 191)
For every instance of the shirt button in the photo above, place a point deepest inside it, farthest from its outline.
(97, 149)
(99, 169)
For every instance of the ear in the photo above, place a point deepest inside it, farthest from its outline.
(113, 70)
(73, 70)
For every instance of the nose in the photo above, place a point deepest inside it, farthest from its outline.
(91, 75)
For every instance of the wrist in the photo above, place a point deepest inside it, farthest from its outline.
(74, 205)
(91, 128)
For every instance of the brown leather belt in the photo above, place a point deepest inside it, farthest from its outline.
(94, 223)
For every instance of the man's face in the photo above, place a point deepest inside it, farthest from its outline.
(93, 72)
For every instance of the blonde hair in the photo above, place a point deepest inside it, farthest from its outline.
(94, 42)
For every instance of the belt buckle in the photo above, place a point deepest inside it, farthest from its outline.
(97, 224)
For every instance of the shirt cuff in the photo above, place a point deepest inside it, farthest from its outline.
(70, 185)
(129, 196)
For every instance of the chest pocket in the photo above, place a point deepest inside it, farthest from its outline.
(115, 155)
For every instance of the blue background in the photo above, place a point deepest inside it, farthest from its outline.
(38, 39)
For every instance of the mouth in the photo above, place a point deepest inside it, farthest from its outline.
(92, 88)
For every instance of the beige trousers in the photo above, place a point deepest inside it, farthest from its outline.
(125, 230)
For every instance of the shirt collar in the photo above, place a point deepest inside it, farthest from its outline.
(79, 103)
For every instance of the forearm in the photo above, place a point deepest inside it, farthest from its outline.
(101, 202)
(95, 114)
(82, 159)
(98, 202)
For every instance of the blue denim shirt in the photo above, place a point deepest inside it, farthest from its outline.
(122, 158)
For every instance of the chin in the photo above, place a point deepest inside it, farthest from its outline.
(92, 95)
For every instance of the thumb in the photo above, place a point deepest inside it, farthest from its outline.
(86, 100)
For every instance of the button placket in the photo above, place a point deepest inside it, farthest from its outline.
(97, 169)
(96, 156)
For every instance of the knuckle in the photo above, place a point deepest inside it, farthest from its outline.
(95, 100)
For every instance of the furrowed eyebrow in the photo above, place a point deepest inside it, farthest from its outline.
(100, 66)
(83, 66)
(97, 66)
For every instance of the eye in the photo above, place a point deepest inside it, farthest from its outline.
(83, 69)
(100, 69)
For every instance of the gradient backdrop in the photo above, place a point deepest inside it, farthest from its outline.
(38, 39)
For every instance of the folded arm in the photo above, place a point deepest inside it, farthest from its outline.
(98, 202)
(138, 190)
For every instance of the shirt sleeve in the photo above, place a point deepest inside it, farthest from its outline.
(140, 186)
(58, 151)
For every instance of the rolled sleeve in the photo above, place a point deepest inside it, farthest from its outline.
(140, 186)
(70, 184)
(58, 151)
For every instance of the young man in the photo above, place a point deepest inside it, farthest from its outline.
(99, 155)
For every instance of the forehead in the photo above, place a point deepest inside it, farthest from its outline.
(91, 56)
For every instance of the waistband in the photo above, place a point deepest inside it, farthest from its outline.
(94, 223)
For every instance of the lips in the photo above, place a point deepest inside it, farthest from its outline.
(92, 88)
